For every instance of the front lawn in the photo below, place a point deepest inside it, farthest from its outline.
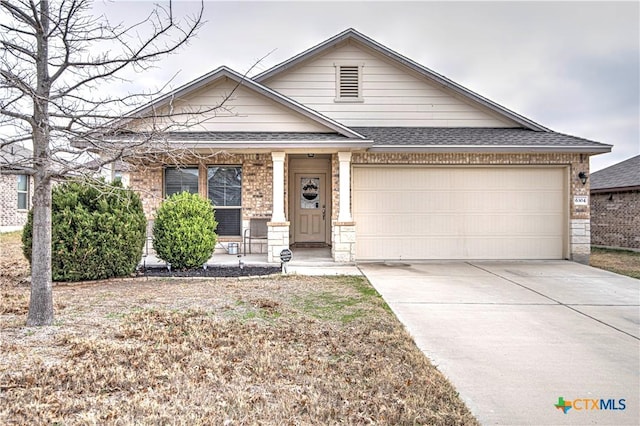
(623, 262)
(278, 350)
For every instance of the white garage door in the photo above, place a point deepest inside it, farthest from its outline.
(459, 212)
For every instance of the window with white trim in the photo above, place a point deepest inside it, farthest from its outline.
(23, 192)
(348, 82)
(225, 192)
(180, 179)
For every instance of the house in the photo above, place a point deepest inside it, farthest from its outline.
(615, 205)
(353, 146)
(16, 187)
(116, 170)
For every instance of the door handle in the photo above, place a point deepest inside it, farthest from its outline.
(323, 212)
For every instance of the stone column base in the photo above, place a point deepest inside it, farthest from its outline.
(580, 235)
(277, 240)
(343, 239)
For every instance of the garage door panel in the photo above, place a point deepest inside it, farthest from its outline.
(459, 212)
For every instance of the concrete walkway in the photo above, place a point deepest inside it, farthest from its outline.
(513, 337)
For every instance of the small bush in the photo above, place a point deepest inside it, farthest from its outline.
(184, 231)
(98, 231)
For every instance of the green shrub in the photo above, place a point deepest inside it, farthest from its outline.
(184, 231)
(98, 231)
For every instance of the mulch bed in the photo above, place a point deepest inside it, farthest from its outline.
(212, 271)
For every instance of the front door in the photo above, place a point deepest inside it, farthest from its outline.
(310, 204)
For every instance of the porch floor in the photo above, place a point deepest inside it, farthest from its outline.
(305, 261)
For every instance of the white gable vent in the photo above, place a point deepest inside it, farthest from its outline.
(348, 83)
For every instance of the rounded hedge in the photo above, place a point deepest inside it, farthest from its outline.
(98, 231)
(184, 231)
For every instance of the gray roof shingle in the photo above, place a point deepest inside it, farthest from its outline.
(625, 174)
(464, 136)
(15, 158)
(403, 138)
(254, 136)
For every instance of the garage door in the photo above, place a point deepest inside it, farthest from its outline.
(459, 213)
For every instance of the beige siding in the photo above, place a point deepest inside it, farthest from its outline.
(459, 212)
(244, 111)
(393, 96)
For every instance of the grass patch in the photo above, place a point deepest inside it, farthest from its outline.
(283, 350)
(624, 262)
(356, 299)
(14, 267)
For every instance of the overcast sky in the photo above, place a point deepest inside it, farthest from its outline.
(573, 67)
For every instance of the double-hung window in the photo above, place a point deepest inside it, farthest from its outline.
(180, 179)
(225, 192)
(23, 192)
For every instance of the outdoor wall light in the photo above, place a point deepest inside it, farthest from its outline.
(583, 177)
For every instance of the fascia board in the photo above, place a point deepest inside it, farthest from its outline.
(490, 149)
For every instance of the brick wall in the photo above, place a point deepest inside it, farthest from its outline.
(257, 172)
(10, 217)
(258, 175)
(615, 219)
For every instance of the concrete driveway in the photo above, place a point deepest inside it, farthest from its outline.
(513, 337)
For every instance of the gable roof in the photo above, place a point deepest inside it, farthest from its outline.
(16, 159)
(242, 80)
(621, 176)
(352, 34)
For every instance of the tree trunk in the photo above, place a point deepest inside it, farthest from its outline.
(41, 301)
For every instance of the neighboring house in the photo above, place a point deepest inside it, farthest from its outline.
(16, 187)
(615, 205)
(354, 146)
(117, 170)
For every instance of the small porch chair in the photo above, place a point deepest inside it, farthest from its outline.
(257, 230)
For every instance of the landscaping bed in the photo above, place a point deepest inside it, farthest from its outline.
(212, 271)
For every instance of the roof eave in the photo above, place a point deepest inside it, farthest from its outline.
(490, 149)
(615, 189)
(308, 145)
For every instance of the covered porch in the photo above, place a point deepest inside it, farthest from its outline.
(311, 205)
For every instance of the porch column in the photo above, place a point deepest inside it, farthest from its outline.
(277, 214)
(344, 214)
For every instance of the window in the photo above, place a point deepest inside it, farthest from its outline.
(348, 82)
(225, 192)
(178, 180)
(23, 192)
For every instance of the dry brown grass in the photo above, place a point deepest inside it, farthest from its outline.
(279, 350)
(14, 268)
(623, 262)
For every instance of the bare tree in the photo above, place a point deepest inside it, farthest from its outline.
(55, 57)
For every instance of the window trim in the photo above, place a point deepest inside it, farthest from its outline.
(164, 178)
(25, 191)
(349, 99)
(240, 207)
